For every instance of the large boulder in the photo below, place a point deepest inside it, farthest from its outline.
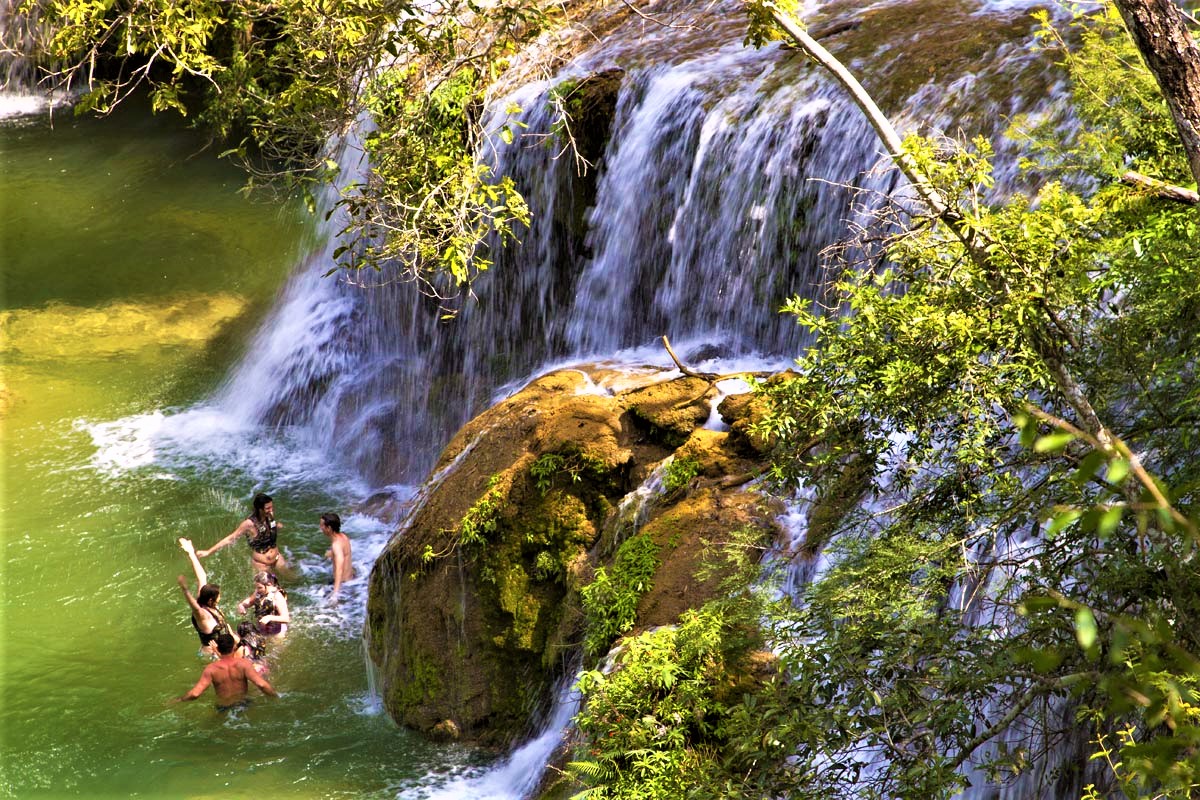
(474, 608)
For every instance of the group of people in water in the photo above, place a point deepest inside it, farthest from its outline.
(240, 653)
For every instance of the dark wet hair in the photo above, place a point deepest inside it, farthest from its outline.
(225, 643)
(333, 521)
(208, 595)
(245, 628)
(260, 502)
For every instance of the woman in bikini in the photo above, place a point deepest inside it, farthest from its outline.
(269, 604)
(261, 531)
(207, 618)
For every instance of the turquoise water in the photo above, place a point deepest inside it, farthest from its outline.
(134, 274)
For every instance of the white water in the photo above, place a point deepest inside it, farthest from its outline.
(518, 774)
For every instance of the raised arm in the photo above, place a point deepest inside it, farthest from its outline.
(228, 540)
(201, 575)
(191, 601)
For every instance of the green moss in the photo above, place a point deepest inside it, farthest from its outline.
(424, 684)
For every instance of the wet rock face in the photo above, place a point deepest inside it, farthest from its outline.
(474, 606)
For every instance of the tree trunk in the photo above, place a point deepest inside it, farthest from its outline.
(1159, 29)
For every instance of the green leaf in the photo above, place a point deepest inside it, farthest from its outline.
(1052, 443)
(1118, 470)
(1061, 520)
(1085, 628)
(1109, 520)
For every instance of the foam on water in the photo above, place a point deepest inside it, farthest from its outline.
(22, 104)
(345, 618)
(208, 439)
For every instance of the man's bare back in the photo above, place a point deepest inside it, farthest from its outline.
(339, 552)
(230, 676)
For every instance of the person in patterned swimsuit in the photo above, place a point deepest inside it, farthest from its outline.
(261, 532)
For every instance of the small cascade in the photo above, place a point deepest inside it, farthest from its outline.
(517, 775)
(20, 28)
(634, 509)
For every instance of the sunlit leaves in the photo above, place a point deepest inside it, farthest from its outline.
(947, 367)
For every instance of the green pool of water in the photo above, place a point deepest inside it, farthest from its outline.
(133, 275)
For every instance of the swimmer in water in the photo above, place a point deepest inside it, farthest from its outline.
(261, 532)
(338, 552)
(230, 676)
(269, 604)
(250, 647)
(207, 618)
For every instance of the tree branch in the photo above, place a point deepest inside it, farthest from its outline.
(977, 243)
(1161, 188)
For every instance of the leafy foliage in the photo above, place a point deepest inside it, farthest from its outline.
(274, 81)
(574, 465)
(610, 602)
(1016, 571)
(655, 722)
(679, 473)
(1012, 579)
(480, 520)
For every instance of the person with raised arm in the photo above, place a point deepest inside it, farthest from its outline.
(207, 618)
(261, 532)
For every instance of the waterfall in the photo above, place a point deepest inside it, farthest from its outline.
(722, 178)
(517, 775)
(20, 28)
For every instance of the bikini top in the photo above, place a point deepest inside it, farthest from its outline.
(264, 607)
(221, 625)
(263, 539)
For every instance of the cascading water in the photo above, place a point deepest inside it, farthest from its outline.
(20, 27)
(724, 174)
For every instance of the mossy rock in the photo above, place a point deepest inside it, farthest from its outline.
(684, 533)
(742, 412)
(671, 410)
(497, 608)
(474, 607)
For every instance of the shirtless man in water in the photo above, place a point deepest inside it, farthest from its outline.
(229, 676)
(338, 552)
(261, 532)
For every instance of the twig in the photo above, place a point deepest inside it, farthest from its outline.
(710, 377)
